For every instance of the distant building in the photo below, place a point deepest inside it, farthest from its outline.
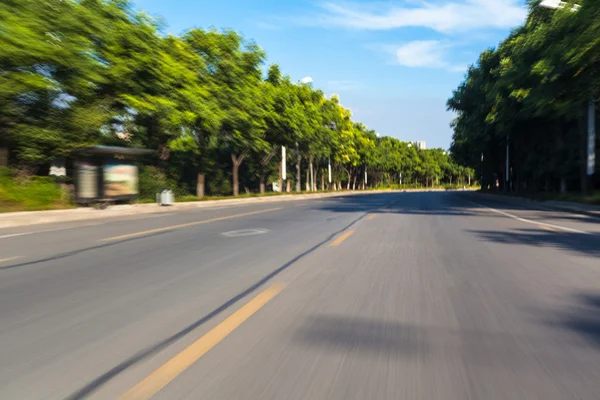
(421, 145)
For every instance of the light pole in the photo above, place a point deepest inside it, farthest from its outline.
(283, 168)
(591, 109)
(507, 176)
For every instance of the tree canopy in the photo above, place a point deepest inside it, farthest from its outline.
(532, 93)
(81, 72)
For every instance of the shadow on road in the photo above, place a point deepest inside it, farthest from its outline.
(583, 318)
(586, 244)
(450, 203)
(503, 348)
(416, 203)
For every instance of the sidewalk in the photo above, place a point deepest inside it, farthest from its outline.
(12, 220)
(567, 206)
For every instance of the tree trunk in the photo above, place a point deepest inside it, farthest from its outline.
(307, 182)
(262, 179)
(236, 161)
(354, 182)
(298, 161)
(288, 187)
(236, 182)
(322, 181)
(280, 180)
(349, 180)
(200, 185)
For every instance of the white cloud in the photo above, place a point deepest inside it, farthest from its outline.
(442, 16)
(306, 80)
(424, 53)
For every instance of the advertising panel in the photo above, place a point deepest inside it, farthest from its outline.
(87, 180)
(120, 179)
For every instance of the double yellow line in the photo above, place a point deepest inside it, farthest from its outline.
(161, 377)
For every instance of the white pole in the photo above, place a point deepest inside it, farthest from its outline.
(312, 181)
(507, 164)
(366, 182)
(329, 168)
(283, 163)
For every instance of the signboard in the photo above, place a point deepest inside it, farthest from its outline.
(120, 179)
(87, 180)
(57, 168)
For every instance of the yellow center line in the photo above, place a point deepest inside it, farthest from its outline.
(370, 217)
(161, 377)
(9, 259)
(341, 238)
(170, 228)
(546, 227)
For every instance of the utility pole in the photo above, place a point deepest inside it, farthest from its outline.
(481, 180)
(329, 170)
(591, 145)
(507, 177)
(312, 181)
(298, 160)
(283, 167)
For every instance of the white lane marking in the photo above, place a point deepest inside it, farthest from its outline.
(528, 221)
(49, 230)
(245, 232)
(82, 226)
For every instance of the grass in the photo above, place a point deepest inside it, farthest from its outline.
(29, 194)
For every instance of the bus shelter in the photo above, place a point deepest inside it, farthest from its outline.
(107, 174)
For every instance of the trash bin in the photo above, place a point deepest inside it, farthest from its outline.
(165, 198)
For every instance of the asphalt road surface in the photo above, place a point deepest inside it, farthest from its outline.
(383, 296)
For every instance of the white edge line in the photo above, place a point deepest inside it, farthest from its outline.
(528, 221)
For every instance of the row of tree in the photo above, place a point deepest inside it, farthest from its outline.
(533, 95)
(76, 73)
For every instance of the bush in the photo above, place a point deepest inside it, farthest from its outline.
(31, 193)
(153, 180)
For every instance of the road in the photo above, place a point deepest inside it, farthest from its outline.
(384, 296)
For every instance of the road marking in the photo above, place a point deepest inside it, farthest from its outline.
(370, 217)
(245, 232)
(528, 221)
(170, 228)
(547, 228)
(341, 238)
(50, 230)
(161, 377)
(2, 260)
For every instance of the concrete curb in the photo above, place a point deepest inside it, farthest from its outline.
(27, 218)
(573, 208)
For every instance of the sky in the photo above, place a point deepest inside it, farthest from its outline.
(393, 63)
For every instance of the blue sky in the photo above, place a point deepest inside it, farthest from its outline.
(393, 63)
